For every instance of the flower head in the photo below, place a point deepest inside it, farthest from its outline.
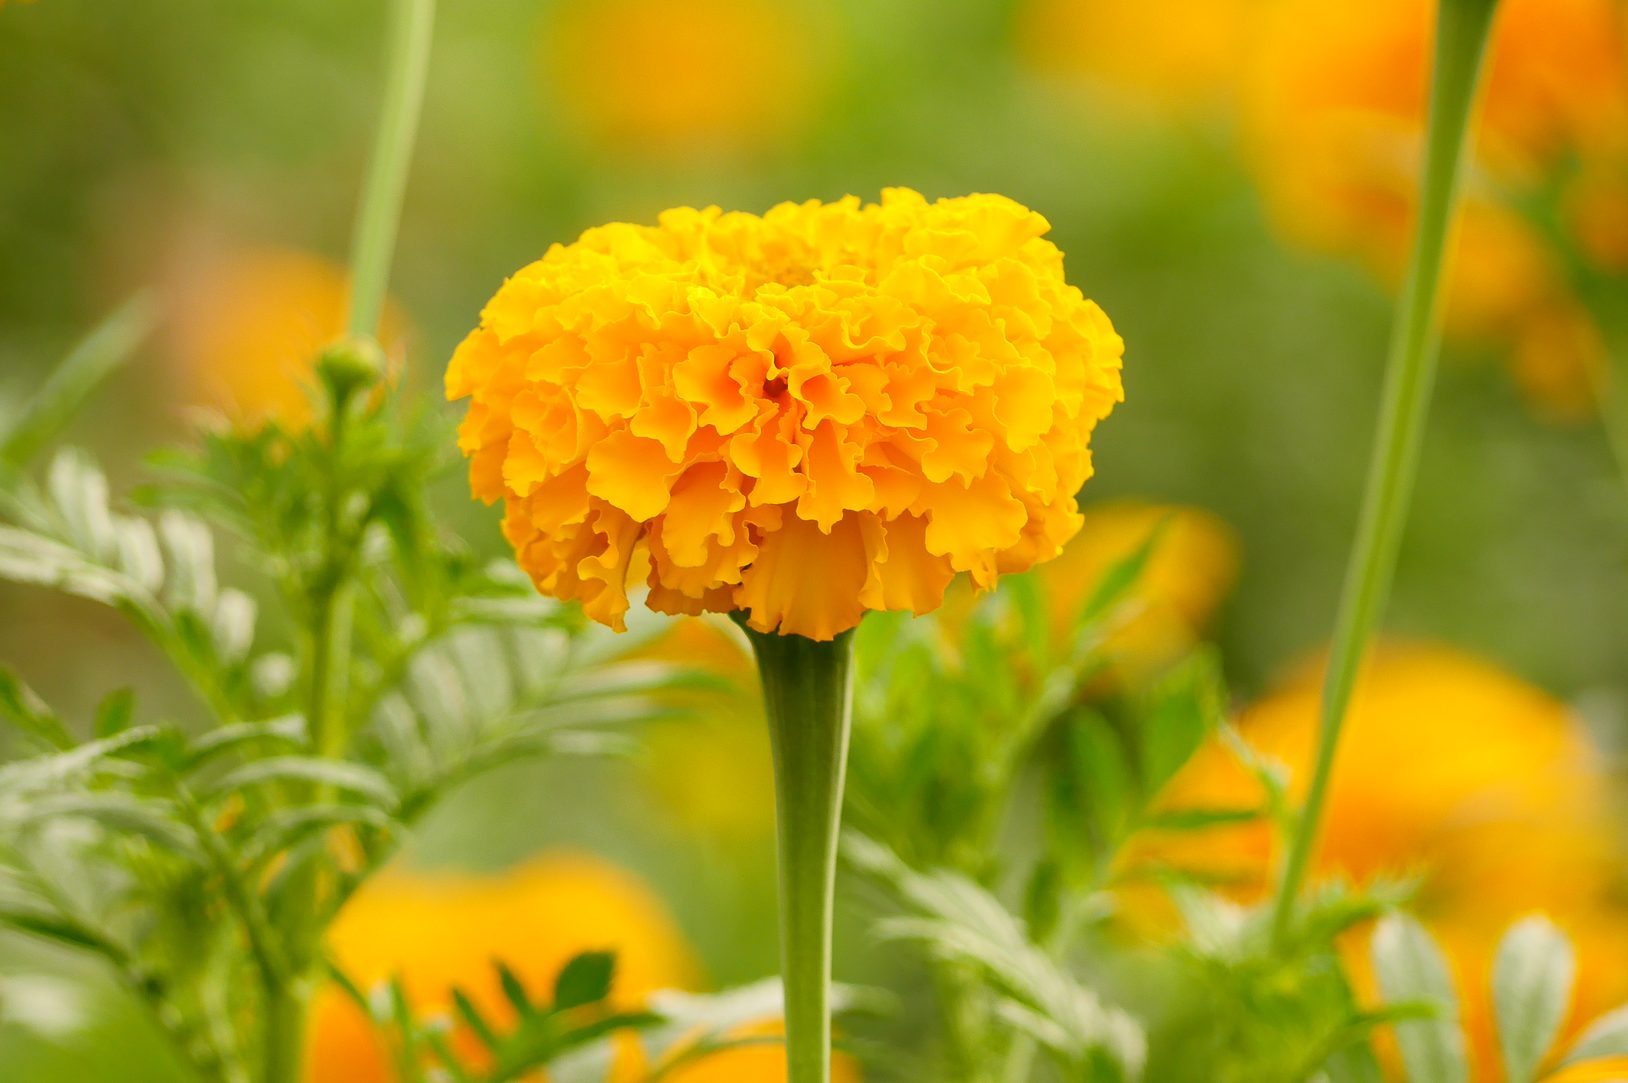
(803, 415)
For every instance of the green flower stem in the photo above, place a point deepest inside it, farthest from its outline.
(379, 216)
(1461, 37)
(808, 696)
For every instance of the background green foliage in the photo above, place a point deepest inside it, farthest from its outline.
(989, 802)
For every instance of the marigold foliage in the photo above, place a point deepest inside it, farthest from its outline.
(1484, 786)
(804, 415)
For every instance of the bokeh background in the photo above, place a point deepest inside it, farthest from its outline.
(1228, 179)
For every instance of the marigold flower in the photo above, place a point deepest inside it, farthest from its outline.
(440, 930)
(1190, 571)
(1500, 802)
(803, 415)
(648, 75)
(246, 327)
(710, 770)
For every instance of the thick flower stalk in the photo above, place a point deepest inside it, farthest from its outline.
(795, 417)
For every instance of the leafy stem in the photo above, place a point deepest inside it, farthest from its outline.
(1461, 36)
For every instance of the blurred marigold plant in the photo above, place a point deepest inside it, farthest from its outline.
(1333, 117)
(244, 327)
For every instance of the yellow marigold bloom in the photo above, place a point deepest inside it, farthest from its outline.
(804, 415)
(1184, 581)
(438, 930)
(1334, 116)
(1448, 768)
(246, 326)
(703, 74)
(711, 769)
(441, 930)
(1173, 53)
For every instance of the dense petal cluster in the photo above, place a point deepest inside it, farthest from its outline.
(803, 415)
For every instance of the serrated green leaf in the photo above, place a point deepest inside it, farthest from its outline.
(586, 979)
(121, 813)
(232, 625)
(91, 361)
(45, 772)
(1531, 990)
(237, 736)
(472, 1018)
(20, 706)
(1607, 1036)
(114, 714)
(288, 827)
(340, 774)
(514, 990)
(189, 555)
(79, 490)
(1410, 967)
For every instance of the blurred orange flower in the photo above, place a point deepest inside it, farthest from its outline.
(246, 325)
(1189, 572)
(1334, 105)
(437, 931)
(710, 769)
(649, 75)
(1481, 784)
(1166, 53)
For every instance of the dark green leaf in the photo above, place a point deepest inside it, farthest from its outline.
(586, 979)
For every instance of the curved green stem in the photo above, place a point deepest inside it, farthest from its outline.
(379, 216)
(808, 696)
(1461, 37)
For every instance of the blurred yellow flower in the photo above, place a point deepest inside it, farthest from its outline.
(804, 415)
(440, 930)
(1168, 53)
(1188, 574)
(1483, 785)
(1334, 103)
(702, 75)
(245, 328)
(710, 770)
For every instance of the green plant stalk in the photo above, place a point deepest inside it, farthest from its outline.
(374, 243)
(1462, 30)
(808, 697)
(373, 246)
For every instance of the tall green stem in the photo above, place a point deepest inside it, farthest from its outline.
(374, 242)
(1461, 37)
(808, 696)
(345, 369)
